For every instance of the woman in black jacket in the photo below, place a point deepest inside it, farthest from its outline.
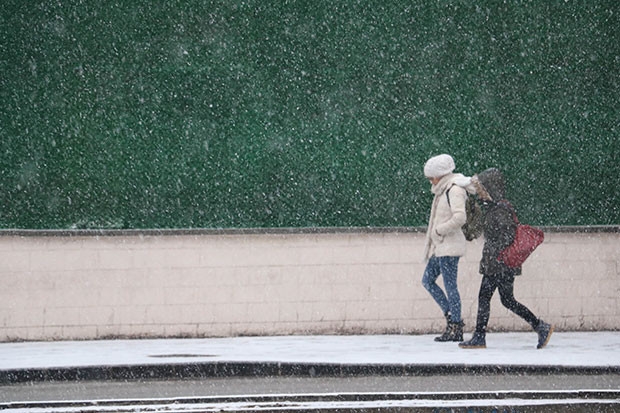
(499, 232)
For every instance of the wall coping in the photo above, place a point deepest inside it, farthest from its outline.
(258, 231)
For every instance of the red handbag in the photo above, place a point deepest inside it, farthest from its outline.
(527, 239)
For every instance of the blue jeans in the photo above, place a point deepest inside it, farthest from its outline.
(450, 301)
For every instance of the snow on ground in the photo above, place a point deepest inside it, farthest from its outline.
(590, 349)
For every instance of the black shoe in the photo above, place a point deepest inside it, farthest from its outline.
(544, 331)
(454, 332)
(477, 341)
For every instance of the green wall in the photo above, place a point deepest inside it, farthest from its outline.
(203, 114)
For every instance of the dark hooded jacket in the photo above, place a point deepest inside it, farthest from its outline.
(499, 225)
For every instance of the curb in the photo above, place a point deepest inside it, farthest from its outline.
(275, 369)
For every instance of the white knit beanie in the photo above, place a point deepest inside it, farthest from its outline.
(438, 166)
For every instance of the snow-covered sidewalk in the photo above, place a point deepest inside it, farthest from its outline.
(565, 349)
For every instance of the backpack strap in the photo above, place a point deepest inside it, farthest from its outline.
(448, 195)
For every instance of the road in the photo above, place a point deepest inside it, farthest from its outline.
(93, 390)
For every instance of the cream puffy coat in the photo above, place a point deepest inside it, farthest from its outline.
(444, 237)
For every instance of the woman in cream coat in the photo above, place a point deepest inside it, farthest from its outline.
(445, 241)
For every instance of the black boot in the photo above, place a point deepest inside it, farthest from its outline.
(457, 333)
(544, 331)
(454, 332)
(447, 330)
(477, 341)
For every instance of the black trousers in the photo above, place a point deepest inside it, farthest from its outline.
(504, 283)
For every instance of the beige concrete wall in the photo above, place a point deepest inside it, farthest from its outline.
(74, 286)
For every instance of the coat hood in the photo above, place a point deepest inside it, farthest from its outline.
(493, 181)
